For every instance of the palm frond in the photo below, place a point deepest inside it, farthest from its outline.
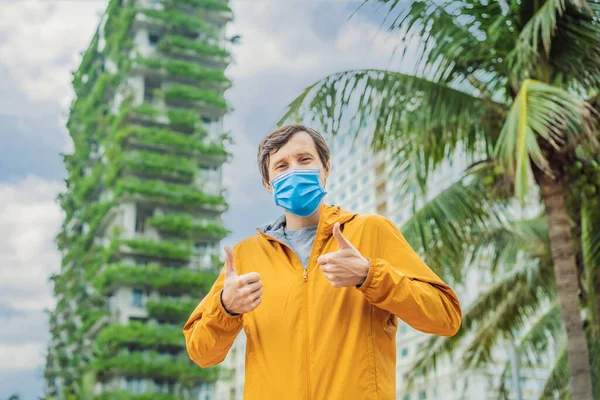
(443, 228)
(455, 40)
(511, 242)
(495, 314)
(545, 111)
(558, 379)
(563, 34)
(412, 117)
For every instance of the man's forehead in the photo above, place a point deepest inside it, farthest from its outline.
(295, 151)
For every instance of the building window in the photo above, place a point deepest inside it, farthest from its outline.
(149, 87)
(366, 198)
(141, 215)
(137, 298)
(342, 178)
(134, 385)
(407, 397)
(353, 169)
(354, 188)
(153, 39)
(365, 180)
(422, 395)
(204, 392)
(404, 352)
(342, 196)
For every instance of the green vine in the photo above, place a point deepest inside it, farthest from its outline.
(170, 140)
(151, 164)
(179, 92)
(172, 310)
(184, 225)
(141, 335)
(185, 69)
(152, 364)
(178, 44)
(153, 276)
(179, 21)
(179, 250)
(174, 194)
(122, 395)
(210, 5)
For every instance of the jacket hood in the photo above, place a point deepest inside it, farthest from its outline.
(329, 216)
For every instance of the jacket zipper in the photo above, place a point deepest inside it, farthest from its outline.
(305, 289)
(307, 333)
(305, 279)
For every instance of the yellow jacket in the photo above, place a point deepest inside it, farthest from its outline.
(309, 340)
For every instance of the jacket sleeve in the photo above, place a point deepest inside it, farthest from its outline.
(402, 284)
(210, 330)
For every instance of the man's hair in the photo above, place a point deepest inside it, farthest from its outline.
(279, 137)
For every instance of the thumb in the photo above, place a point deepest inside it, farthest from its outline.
(229, 268)
(342, 241)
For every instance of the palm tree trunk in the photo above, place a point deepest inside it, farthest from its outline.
(565, 269)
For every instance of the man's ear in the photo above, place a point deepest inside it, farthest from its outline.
(267, 186)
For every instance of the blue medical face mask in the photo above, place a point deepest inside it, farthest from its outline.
(299, 191)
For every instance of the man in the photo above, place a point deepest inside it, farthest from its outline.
(318, 291)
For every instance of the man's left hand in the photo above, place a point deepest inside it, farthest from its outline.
(345, 267)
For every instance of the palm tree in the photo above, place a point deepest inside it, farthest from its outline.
(515, 86)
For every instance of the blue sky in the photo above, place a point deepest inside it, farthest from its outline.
(286, 46)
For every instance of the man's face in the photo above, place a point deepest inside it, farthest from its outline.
(299, 152)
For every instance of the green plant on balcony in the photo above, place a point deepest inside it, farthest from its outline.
(177, 20)
(179, 195)
(168, 139)
(176, 43)
(179, 92)
(141, 335)
(185, 69)
(86, 186)
(175, 250)
(154, 276)
(172, 310)
(209, 5)
(152, 364)
(184, 225)
(123, 395)
(151, 164)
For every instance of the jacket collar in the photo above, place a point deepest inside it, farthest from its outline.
(329, 216)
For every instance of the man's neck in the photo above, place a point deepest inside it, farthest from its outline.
(295, 223)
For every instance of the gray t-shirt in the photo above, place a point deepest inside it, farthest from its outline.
(301, 241)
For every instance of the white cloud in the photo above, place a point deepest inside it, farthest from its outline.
(278, 38)
(42, 43)
(29, 220)
(21, 357)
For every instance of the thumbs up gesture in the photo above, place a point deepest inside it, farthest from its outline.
(345, 267)
(241, 293)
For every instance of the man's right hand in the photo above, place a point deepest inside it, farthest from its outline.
(241, 294)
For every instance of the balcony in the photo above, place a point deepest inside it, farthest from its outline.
(179, 71)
